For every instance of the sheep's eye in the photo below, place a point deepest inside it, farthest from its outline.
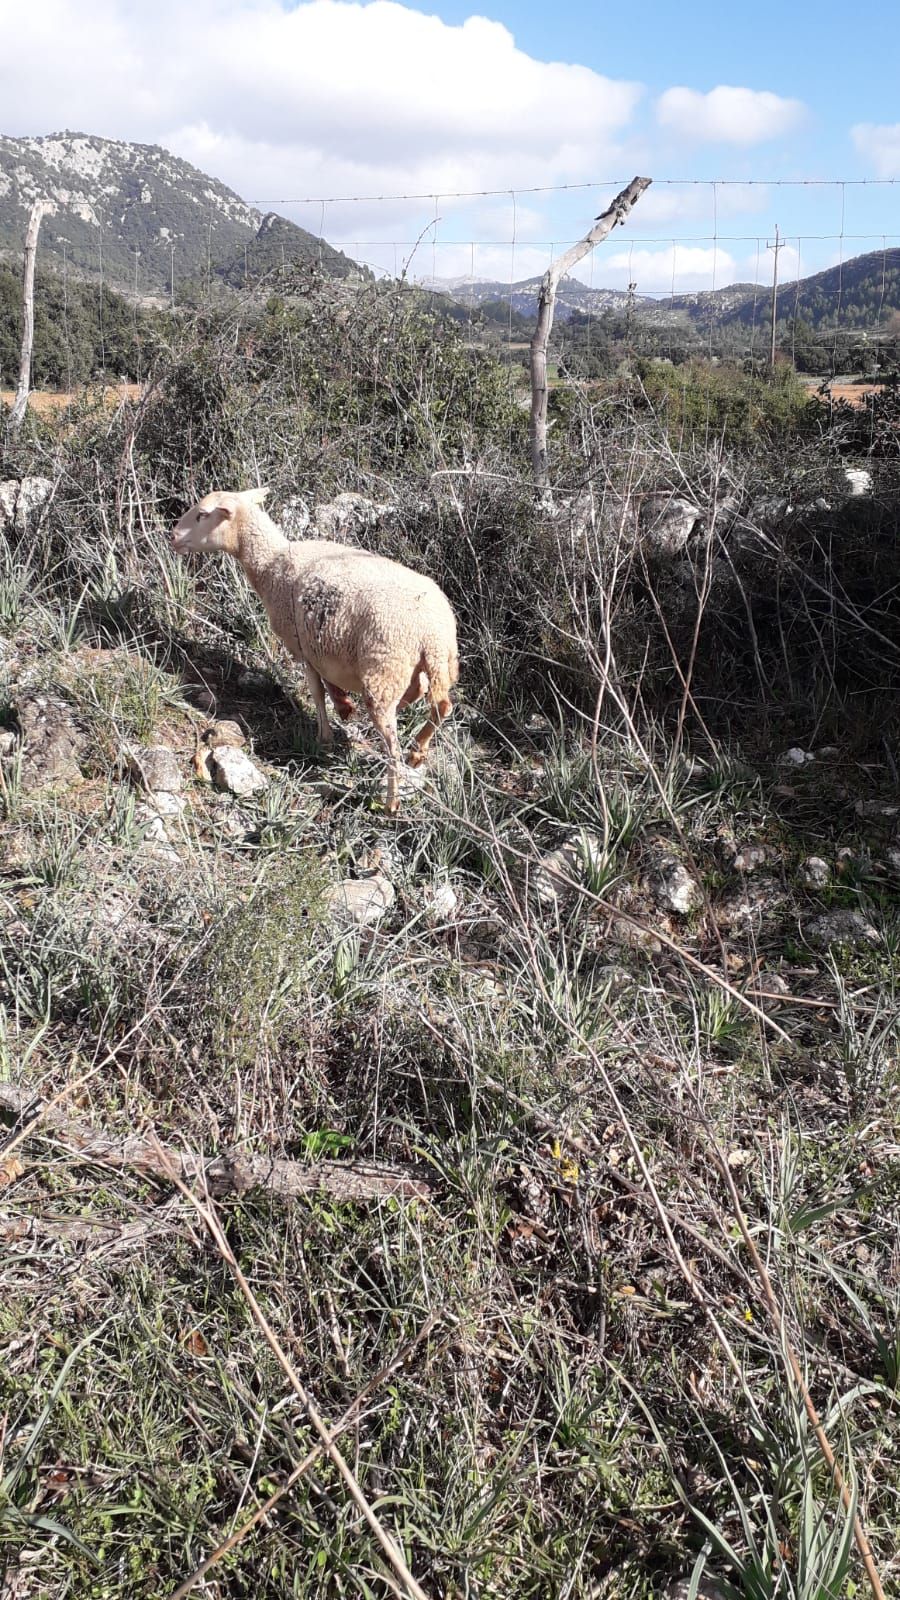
(200, 515)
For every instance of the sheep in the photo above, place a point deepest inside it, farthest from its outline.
(357, 622)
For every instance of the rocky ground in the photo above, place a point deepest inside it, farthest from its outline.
(473, 1105)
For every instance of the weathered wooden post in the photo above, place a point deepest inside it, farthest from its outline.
(603, 226)
(17, 414)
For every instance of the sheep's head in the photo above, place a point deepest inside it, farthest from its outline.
(214, 522)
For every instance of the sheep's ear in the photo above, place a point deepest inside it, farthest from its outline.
(255, 496)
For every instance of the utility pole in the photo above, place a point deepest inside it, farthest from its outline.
(774, 247)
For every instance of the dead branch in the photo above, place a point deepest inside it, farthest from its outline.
(17, 414)
(226, 1174)
(603, 226)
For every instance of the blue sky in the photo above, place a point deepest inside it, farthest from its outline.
(335, 99)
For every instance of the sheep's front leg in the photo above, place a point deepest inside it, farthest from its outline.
(317, 690)
(384, 719)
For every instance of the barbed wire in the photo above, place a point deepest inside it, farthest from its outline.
(566, 188)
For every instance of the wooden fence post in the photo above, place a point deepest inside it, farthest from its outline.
(17, 414)
(603, 226)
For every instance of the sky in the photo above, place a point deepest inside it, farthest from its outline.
(320, 109)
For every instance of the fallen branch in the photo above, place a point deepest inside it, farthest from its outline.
(226, 1174)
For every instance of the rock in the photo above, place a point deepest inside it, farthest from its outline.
(706, 1590)
(892, 858)
(749, 858)
(816, 873)
(672, 886)
(22, 503)
(570, 860)
(256, 682)
(295, 519)
(881, 810)
(859, 481)
(203, 699)
(772, 983)
(795, 757)
(52, 741)
(234, 771)
(360, 902)
(153, 814)
(165, 803)
(635, 935)
(758, 899)
(9, 494)
(769, 511)
(841, 927)
(155, 767)
(442, 905)
(226, 732)
(667, 522)
(347, 516)
(615, 980)
(8, 742)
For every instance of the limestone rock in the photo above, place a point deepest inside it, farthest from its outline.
(571, 860)
(52, 741)
(226, 732)
(235, 772)
(442, 905)
(155, 767)
(347, 516)
(22, 503)
(749, 858)
(842, 926)
(360, 902)
(816, 873)
(667, 523)
(672, 886)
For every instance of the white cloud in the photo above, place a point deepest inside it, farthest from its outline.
(879, 144)
(685, 266)
(697, 202)
(728, 115)
(324, 97)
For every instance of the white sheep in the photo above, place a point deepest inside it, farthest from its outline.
(357, 622)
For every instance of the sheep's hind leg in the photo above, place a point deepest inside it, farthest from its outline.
(341, 701)
(440, 709)
(384, 720)
(317, 690)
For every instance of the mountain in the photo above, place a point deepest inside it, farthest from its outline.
(135, 215)
(571, 296)
(860, 294)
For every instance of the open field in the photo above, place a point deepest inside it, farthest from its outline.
(47, 401)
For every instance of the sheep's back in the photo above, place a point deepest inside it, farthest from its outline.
(355, 613)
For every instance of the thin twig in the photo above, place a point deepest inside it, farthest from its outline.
(345, 1421)
(388, 1544)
